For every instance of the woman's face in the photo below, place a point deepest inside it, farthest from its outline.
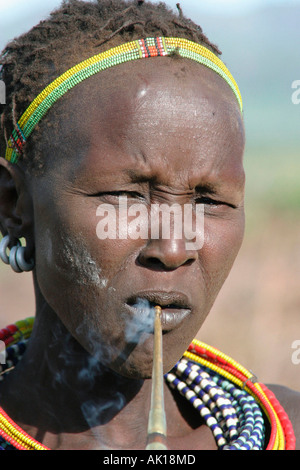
(157, 131)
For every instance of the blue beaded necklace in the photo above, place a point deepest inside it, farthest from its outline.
(233, 415)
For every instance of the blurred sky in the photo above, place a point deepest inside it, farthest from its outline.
(16, 16)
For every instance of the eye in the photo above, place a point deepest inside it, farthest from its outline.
(208, 201)
(133, 194)
(114, 196)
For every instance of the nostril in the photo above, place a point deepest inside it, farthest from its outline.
(188, 262)
(155, 263)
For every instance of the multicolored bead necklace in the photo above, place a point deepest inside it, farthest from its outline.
(139, 49)
(227, 396)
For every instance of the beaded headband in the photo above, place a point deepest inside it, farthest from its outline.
(142, 48)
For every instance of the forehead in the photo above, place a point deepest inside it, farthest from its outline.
(150, 107)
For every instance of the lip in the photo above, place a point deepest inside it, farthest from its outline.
(175, 306)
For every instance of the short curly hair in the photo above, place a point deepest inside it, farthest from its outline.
(75, 31)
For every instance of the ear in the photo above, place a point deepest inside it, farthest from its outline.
(16, 209)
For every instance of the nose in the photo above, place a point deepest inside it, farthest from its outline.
(167, 254)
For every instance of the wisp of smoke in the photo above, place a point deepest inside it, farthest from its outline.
(141, 322)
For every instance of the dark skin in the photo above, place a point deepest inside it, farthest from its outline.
(161, 131)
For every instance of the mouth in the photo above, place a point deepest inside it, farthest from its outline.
(175, 307)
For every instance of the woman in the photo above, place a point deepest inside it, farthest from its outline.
(84, 166)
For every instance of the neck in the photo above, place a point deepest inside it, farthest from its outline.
(73, 393)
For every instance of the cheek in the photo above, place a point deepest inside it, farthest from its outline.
(78, 274)
(67, 271)
(223, 239)
(76, 287)
(74, 253)
(63, 255)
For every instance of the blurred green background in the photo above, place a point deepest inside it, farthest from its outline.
(257, 315)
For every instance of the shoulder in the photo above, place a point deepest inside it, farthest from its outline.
(290, 401)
